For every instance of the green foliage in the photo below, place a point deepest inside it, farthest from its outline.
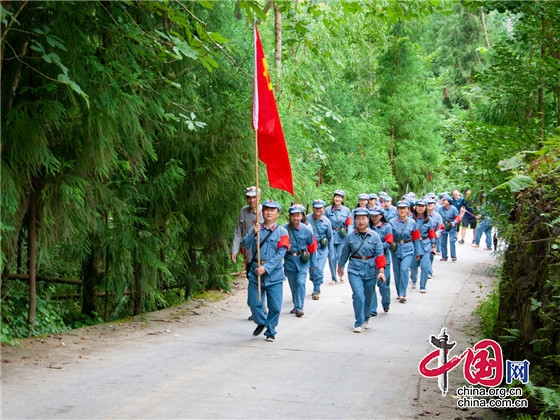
(487, 310)
(15, 305)
(548, 398)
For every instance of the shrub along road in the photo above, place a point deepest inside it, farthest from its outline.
(200, 360)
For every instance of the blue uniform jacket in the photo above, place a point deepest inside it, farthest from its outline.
(371, 252)
(322, 228)
(300, 239)
(272, 250)
(406, 235)
(427, 234)
(339, 217)
(390, 213)
(450, 215)
(385, 233)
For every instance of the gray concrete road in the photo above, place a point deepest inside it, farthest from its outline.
(210, 366)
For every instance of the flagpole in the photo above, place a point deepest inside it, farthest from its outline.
(256, 128)
(258, 216)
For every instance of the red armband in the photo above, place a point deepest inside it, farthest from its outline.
(348, 221)
(458, 219)
(389, 238)
(311, 248)
(431, 234)
(284, 241)
(416, 235)
(441, 228)
(380, 261)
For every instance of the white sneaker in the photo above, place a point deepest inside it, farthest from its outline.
(414, 285)
(422, 290)
(365, 325)
(358, 329)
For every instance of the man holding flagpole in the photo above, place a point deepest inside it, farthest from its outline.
(266, 274)
(270, 145)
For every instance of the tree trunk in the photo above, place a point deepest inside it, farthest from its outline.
(92, 274)
(393, 141)
(137, 294)
(483, 18)
(32, 257)
(278, 45)
(540, 92)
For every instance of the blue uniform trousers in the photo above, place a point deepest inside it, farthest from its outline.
(296, 280)
(400, 272)
(444, 238)
(425, 266)
(334, 256)
(484, 227)
(316, 276)
(362, 296)
(384, 289)
(273, 292)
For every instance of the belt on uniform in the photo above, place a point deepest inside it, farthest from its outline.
(362, 257)
(294, 254)
(425, 237)
(404, 242)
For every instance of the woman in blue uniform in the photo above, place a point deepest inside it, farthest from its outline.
(427, 246)
(385, 232)
(300, 257)
(405, 248)
(367, 265)
(341, 220)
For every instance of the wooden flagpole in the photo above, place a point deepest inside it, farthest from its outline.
(256, 127)
(258, 215)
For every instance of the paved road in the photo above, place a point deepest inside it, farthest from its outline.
(212, 367)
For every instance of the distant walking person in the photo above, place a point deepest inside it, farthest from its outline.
(367, 264)
(246, 222)
(437, 225)
(469, 218)
(385, 232)
(323, 234)
(485, 227)
(274, 242)
(341, 220)
(427, 246)
(451, 220)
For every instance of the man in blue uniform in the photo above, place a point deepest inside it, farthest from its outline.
(322, 229)
(274, 242)
(451, 220)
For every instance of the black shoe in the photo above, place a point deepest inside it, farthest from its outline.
(258, 330)
(461, 242)
(250, 318)
(373, 314)
(270, 338)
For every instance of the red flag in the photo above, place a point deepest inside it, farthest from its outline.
(270, 137)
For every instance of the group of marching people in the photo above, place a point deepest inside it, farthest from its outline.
(371, 238)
